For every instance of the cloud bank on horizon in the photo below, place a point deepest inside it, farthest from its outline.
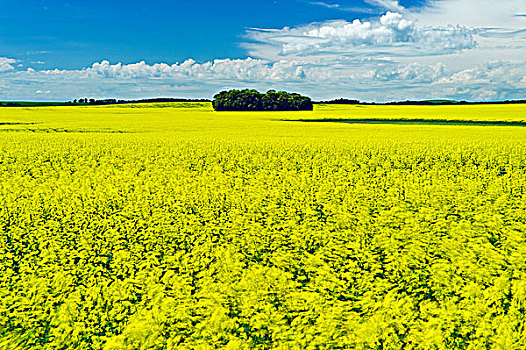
(458, 49)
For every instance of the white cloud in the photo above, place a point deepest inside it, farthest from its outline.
(474, 13)
(492, 74)
(469, 49)
(324, 4)
(340, 7)
(412, 72)
(140, 80)
(390, 35)
(226, 69)
(6, 64)
(321, 78)
(391, 5)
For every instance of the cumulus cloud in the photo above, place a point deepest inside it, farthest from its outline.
(500, 32)
(141, 80)
(226, 69)
(413, 72)
(321, 78)
(445, 48)
(390, 35)
(498, 73)
(6, 64)
(479, 30)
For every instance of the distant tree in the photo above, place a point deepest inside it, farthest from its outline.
(92, 101)
(252, 100)
(342, 101)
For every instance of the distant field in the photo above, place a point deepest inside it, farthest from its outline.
(171, 226)
(168, 117)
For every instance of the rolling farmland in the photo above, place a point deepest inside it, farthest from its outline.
(171, 226)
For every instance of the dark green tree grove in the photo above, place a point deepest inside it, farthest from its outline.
(252, 100)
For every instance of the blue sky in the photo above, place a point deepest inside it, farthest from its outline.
(74, 34)
(370, 49)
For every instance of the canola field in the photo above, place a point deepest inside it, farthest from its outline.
(172, 226)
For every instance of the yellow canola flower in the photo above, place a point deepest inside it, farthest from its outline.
(184, 228)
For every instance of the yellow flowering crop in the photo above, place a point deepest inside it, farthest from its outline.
(171, 226)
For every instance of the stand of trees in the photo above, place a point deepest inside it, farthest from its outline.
(341, 101)
(111, 101)
(252, 100)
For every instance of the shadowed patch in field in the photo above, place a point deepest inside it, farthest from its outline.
(412, 121)
(17, 123)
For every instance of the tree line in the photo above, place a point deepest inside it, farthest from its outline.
(253, 100)
(110, 101)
